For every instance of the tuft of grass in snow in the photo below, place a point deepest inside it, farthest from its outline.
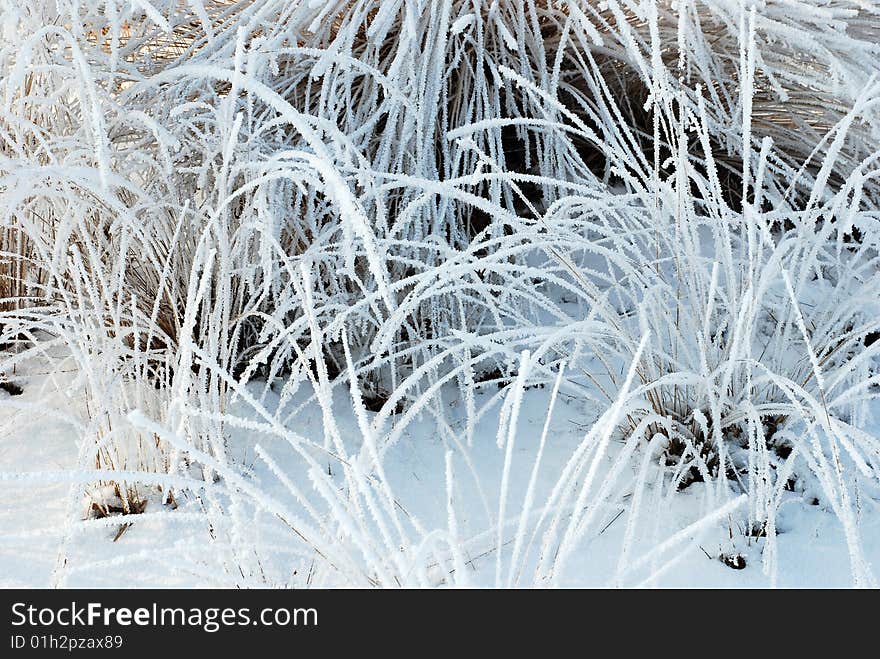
(214, 204)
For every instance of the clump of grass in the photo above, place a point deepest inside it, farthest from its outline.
(264, 203)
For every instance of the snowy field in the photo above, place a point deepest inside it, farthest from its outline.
(674, 540)
(440, 293)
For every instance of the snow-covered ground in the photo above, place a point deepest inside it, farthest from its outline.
(44, 540)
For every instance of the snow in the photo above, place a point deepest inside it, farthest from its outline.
(666, 544)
